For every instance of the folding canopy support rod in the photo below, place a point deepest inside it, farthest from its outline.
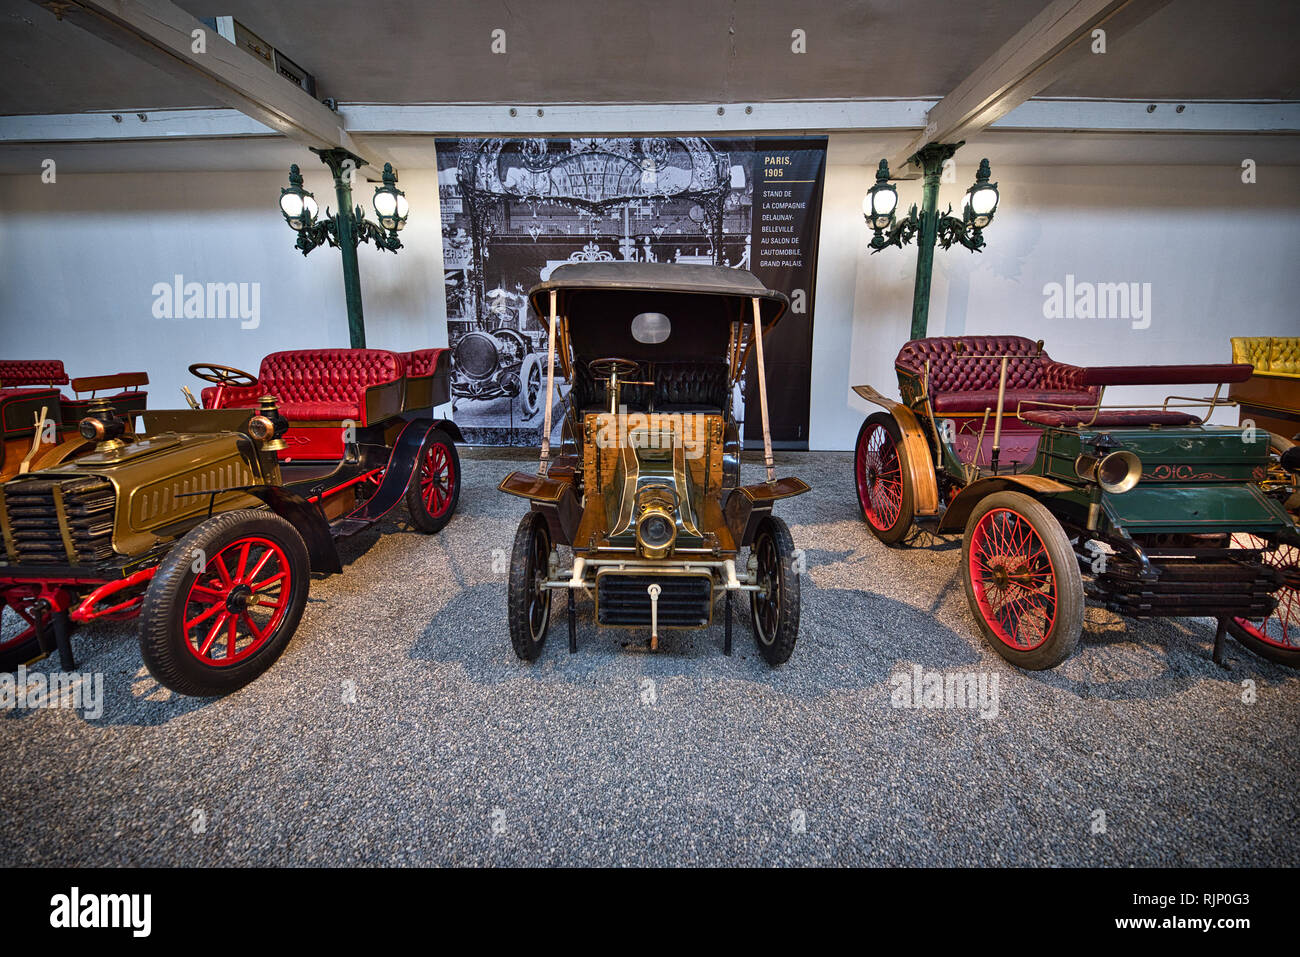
(550, 387)
(762, 391)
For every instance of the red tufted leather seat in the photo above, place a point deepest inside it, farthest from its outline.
(422, 362)
(315, 385)
(964, 373)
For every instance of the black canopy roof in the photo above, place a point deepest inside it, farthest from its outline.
(657, 279)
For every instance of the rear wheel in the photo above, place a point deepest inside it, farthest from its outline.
(1276, 637)
(435, 487)
(775, 607)
(883, 481)
(224, 603)
(528, 602)
(1022, 581)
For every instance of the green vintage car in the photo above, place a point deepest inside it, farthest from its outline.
(1149, 512)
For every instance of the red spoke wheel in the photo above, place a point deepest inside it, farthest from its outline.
(775, 606)
(435, 486)
(224, 603)
(883, 481)
(1276, 637)
(528, 602)
(1022, 581)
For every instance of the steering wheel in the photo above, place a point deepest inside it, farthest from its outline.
(222, 375)
(607, 368)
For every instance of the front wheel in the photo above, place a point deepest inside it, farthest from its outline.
(435, 487)
(1276, 637)
(1022, 581)
(775, 606)
(224, 603)
(882, 478)
(528, 601)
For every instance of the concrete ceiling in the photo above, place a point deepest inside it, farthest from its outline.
(410, 51)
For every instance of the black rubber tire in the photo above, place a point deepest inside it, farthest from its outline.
(530, 406)
(776, 567)
(1067, 623)
(528, 622)
(896, 532)
(421, 517)
(162, 640)
(1288, 603)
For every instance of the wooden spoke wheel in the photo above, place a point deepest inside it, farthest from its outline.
(435, 486)
(1022, 581)
(528, 602)
(1276, 637)
(883, 482)
(775, 606)
(224, 603)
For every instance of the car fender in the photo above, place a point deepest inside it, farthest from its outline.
(920, 460)
(306, 517)
(959, 510)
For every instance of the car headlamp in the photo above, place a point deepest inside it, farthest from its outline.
(656, 521)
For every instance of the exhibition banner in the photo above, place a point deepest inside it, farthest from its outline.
(513, 210)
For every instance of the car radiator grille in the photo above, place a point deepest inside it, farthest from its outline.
(622, 600)
(36, 532)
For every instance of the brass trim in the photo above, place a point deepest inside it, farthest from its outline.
(64, 530)
(10, 548)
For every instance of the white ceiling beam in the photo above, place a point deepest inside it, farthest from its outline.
(162, 34)
(902, 117)
(1040, 53)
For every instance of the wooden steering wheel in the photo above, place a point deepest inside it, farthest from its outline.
(222, 375)
(606, 368)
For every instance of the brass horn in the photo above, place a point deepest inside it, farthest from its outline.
(1115, 473)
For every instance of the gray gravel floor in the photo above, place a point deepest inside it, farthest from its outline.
(454, 752)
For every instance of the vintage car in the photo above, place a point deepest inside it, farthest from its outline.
(646, 489)
(209, 523)
(39, 423)
(502, 358)
(1061, 498)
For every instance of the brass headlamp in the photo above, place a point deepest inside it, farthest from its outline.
(268, 426)
(102, 425)
(656, 520)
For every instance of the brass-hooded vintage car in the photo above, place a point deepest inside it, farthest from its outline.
(646, 488)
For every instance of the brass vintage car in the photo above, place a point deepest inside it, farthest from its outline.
(646, 488)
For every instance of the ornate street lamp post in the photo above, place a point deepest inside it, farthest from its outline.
(881, 204)
(349, 227)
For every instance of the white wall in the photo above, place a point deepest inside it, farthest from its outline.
(1222, 257)
(79, 259)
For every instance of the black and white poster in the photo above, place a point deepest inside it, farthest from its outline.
(515, 209)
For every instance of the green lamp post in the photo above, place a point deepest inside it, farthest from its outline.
(881, 205)
(349, 227)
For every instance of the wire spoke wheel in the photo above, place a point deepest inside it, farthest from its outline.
(1022, 580)
(1276, 636)
(882, 480)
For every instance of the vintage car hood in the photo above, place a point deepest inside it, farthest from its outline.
(159, 482)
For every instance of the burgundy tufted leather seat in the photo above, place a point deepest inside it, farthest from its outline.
(316, 385)
(21, 372)
(1107, 418)
(964, 373)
